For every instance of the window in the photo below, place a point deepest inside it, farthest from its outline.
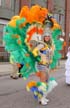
(1, 34)
(8, 4)
(60, 19)
(59, 12)
(4, 55)
(2, 24)
(42, 3)
(59, 6)
(9, 8)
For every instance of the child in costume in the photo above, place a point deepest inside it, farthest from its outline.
(16, 67)
(14, 74)
(67, 67)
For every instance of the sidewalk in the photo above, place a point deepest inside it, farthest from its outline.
(6, 67)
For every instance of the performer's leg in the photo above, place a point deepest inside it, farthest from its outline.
(48, 85)
(20, 75)
(14, 74)
(43, 87)
(44, 77)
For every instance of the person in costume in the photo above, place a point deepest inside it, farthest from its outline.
(30, 44)
(45, 51)
(67, 67)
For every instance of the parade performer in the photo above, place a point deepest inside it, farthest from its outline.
(45, 51)
(67, 67)
(32, 37)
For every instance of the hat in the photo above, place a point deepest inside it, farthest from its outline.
(47, 32)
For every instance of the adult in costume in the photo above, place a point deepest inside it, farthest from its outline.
(26, 38)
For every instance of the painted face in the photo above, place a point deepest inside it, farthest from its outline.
(47, 38)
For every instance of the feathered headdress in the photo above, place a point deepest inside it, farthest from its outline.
(27, 26)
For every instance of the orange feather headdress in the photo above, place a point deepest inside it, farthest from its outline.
(34, 14)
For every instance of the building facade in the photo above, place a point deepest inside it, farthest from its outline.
(8, 8)
(61, 12)
(59, 8)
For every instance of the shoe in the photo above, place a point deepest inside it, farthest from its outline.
(14, 77)
(68, 84)
(43, 101)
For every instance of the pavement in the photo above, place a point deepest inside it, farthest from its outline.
(6, 67)
(14, 95)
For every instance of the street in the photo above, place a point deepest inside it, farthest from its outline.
(14, 95)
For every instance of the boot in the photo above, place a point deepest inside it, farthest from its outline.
(51, 84)
(43, 88)
(46, 88)
(43, 101)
